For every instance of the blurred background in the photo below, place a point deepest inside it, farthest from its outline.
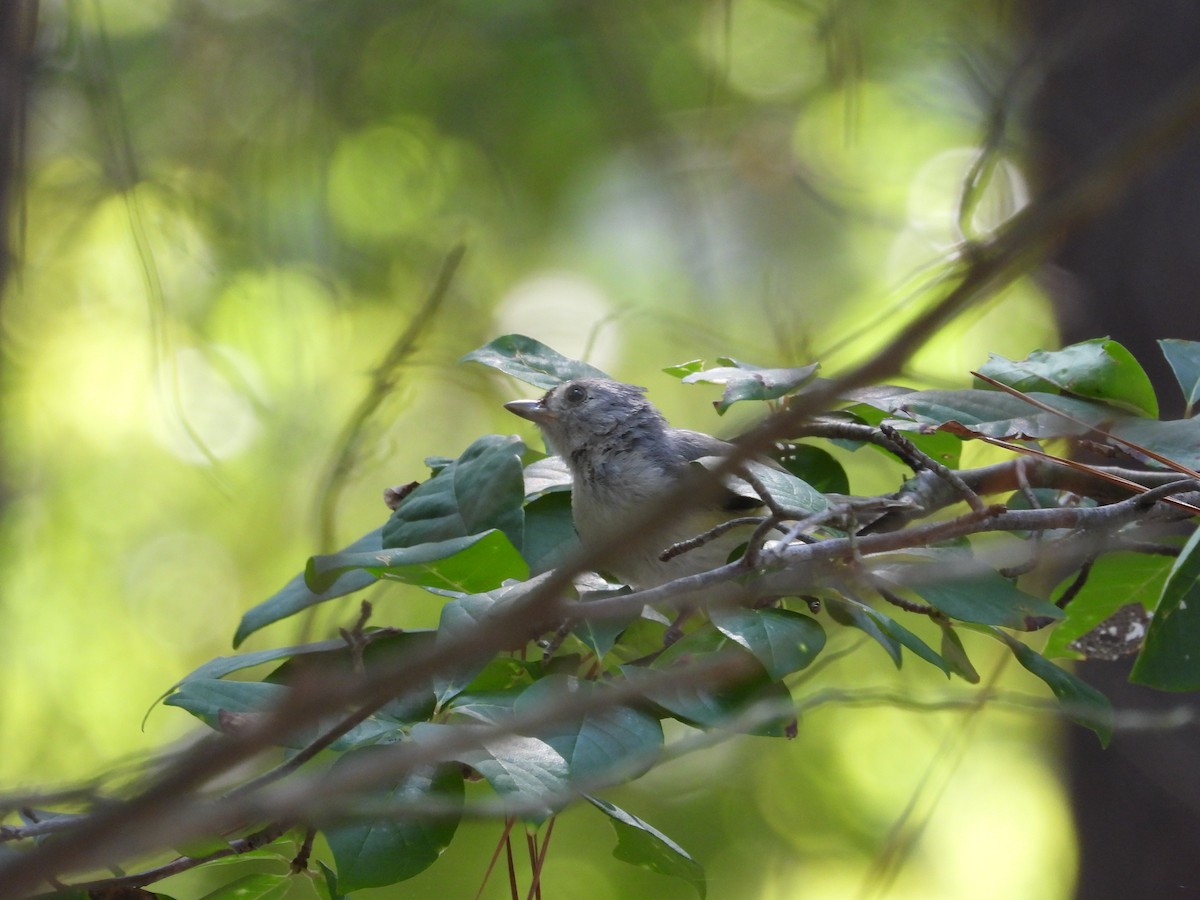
(226, 215)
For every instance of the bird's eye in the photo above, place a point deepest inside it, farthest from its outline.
(576, 393)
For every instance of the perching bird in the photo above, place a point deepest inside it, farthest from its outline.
(623, 455)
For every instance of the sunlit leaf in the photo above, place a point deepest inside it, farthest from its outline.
(382, 853)
(1115, 580)
(1079, 701)
(1170, 658)
(955, 654)
(531, 361)
(1099, 369)
(680, 370)
(259, 886)
(473, 563)
(640, 844)
(782, 640)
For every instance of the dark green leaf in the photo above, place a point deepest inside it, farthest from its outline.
(260, 886)
(489, 707)
(470, 615)
(1115, 580)
(383, 853)
(482, 489)
(782, 640)
(999, 415)
(296, 595)
(1079, 700)
(527, 770)
(815, 467)
(327, 886)
(889, 633)
(765, 705)
(1170, 658)
(618, 743)
(850, 612)
(549, 532)
(955, 655)
(1184, 357)
(208, 699)
(746, 382)
(640, 844)
(969, 591)
(785, 488)
(531, 361)
(1178, 439)
(1098, 370)
(599, 635)
(476, 562)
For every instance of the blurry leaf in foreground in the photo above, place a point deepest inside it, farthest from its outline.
(531, 361)
(642, 845)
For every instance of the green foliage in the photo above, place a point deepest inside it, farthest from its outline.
(486, 529)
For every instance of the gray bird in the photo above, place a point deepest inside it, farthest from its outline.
(623, 456)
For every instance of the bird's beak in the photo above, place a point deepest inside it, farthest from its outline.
(533, 410)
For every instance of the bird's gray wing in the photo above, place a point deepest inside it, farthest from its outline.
(738, 496)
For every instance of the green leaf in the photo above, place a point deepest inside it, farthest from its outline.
(526, 769)
(1178, 439)
(766, 702)
(785, 488)
(1116, 579)
(382, 853)
(260, 886)
(746, 382)
(681, 370)
(816, 467)
(642, 845)
(546, 475)
(481, 490)
(969, 591)
(327, 887)
(782, 640)
(955, 654)
(549, 532)
(1100, 369)
(296, 594)
(1184, 358)
(475, 562)
(531, 361)
(889, 633)
(1170, 658)
(208, 699)
(599, 635)
(224, 665)
(469, 615)
(1080, 701)
(845, 611)
(999, 415)
(616, 744)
